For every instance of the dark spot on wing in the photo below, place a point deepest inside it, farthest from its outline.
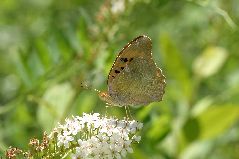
(113, 76)
(123, 59)
(116, 71)
(122, 68)
(130, 59)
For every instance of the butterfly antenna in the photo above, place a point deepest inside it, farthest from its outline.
(85, 86)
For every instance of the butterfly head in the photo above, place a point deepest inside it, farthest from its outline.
(106, 97)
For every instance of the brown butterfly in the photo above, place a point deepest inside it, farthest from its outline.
(134, 78)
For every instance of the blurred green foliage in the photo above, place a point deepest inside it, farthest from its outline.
(48, 47)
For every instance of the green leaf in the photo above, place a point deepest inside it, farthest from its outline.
(175, 66)
(35, 65)
(210, 61)
(209, 124)
(216, 120)
(54, 103)
(201, 105)
(42, 50)
(191, 129)
(160, 126)
(22, 69)
(64, 48)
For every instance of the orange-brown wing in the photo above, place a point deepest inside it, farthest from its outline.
(139, 47)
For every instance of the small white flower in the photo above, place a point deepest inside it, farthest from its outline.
(140, 126)
(136, 138)
(123, 152)
(64, 140)
(122, 124)
(117, 156)
(130, 150)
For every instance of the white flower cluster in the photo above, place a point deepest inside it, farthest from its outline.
(93, 136)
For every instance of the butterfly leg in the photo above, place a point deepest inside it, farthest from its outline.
(128, 113)
(106, 110)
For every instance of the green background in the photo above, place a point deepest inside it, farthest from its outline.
(48, 47)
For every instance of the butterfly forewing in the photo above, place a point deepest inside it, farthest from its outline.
(139, 47)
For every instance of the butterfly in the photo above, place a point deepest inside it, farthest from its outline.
(134, 78)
